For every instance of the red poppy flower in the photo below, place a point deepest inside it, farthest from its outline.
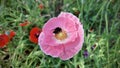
(34, 34)
(25, 23)
(41, 6)
(10, 34)
(4, 39)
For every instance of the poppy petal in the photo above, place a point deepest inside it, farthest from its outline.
(4, 39)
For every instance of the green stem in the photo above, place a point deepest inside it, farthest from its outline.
(107, 43)
(58, 6)
(102, 11)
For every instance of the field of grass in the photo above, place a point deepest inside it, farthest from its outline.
(100, 19)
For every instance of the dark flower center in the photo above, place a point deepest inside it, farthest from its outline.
(37, 34)
(57, 30)
(60, 34)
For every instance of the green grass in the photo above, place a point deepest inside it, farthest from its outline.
(103, 16)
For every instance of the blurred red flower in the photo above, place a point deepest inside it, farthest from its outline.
(25, 23)
(41, 6)
(34, 34)
(10, 34)
(4, 39)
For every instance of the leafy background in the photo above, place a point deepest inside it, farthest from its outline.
(101, 21)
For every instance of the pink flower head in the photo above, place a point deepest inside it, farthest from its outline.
(62, 36)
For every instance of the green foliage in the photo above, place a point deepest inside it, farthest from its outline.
(101, 21)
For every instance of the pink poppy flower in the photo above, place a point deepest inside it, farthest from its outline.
(62, 36)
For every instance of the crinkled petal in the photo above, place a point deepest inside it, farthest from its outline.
(53, 23)
(64, 23)
(54, 51)
(67, 54)
(72, 44)
(70, 16)
(50, 40)
(72, 36)
(72, 48)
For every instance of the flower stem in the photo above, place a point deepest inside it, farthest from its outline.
(58, 6)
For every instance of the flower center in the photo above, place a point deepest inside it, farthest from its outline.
(37, 35)
(60, 34)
